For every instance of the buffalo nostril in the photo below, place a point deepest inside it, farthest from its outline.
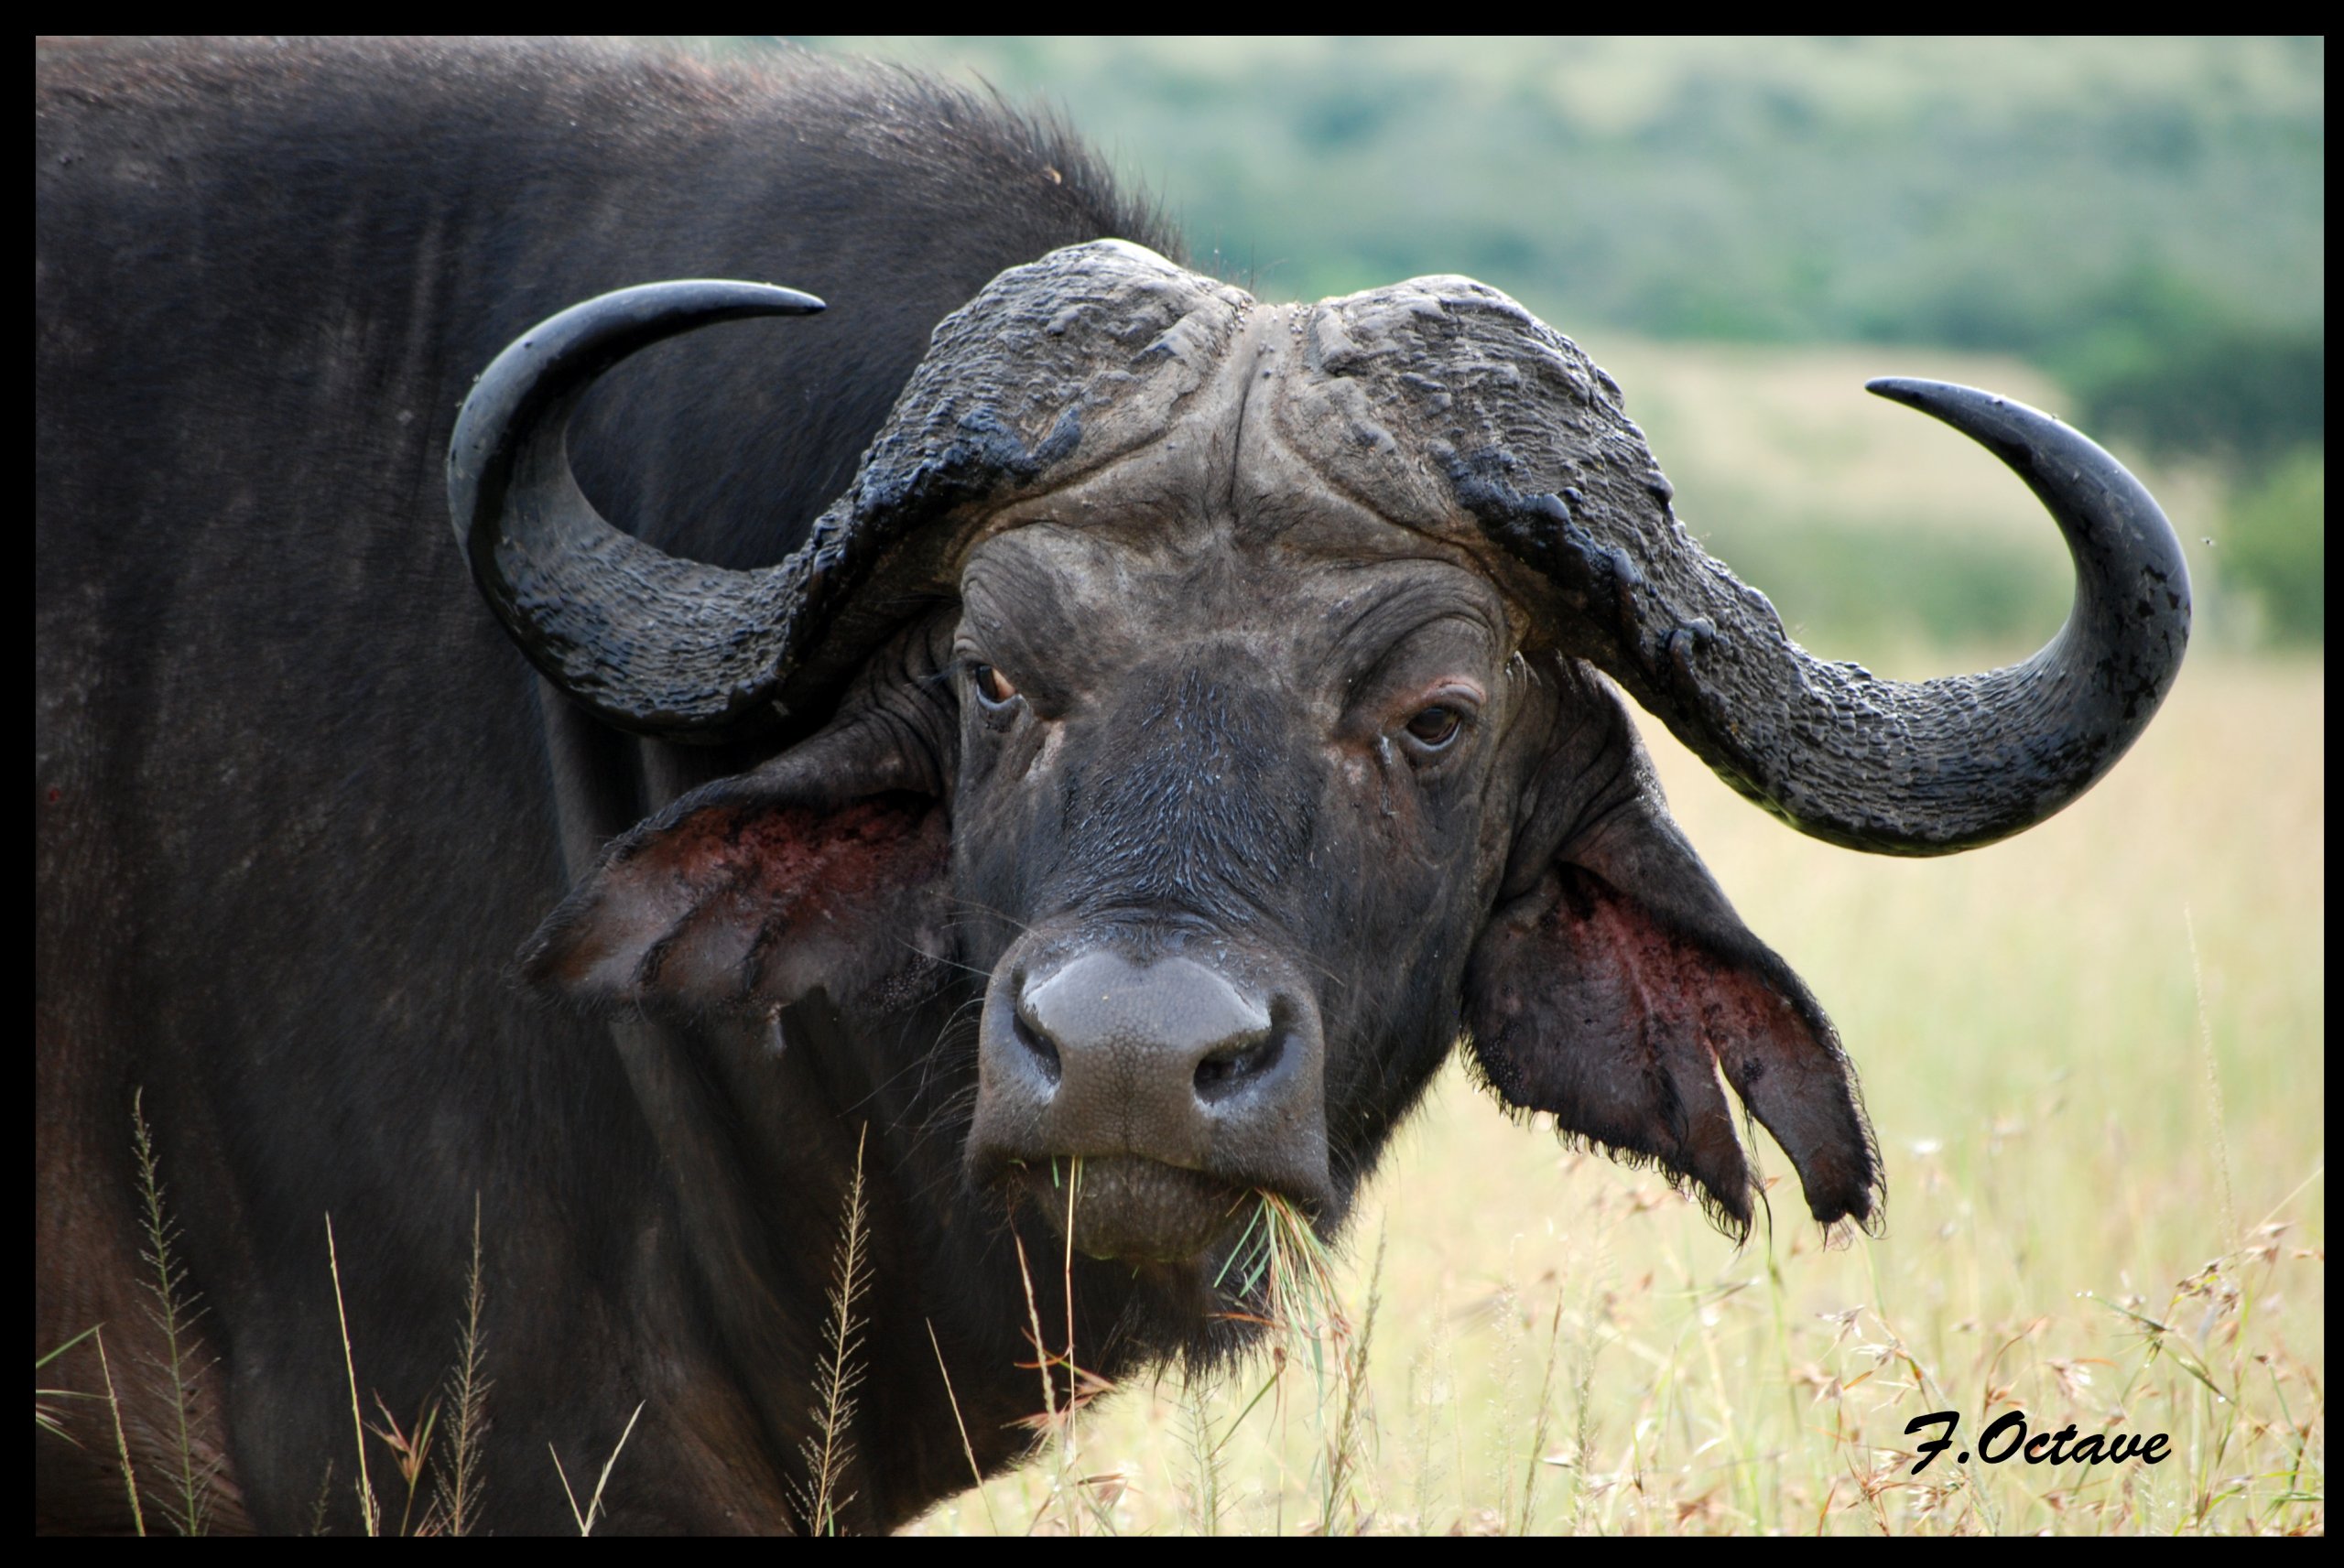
(1031, 1036)
(1228, 1070)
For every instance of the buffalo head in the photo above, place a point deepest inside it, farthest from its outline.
(1204, 695)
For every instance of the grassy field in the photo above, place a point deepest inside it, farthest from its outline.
(2094, 1057)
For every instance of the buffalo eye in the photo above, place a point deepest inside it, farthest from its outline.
(993, 688)
(1436, 728)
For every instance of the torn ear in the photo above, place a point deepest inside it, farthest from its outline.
(1619, 985)
(824, 868)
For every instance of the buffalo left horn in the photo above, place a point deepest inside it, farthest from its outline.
(652, 642)
(1542, 454)
(1929, 767)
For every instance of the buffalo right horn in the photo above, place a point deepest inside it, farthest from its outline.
(1033, 380)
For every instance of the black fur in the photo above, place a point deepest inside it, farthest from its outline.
(297, 800)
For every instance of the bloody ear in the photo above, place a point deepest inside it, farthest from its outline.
(1617, 987)
(824, 868)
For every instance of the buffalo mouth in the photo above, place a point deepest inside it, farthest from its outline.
(1131, 1208)
(1142, 1102)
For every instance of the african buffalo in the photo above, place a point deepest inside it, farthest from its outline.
(1179, 731)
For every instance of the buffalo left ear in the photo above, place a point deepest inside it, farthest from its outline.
(1619, 987)
(824, 869)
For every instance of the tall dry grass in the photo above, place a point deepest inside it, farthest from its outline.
(2094, 1056)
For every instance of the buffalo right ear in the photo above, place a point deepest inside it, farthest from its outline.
(1616, 987)
(826, 868)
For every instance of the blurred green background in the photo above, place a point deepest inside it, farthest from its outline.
(2139, 221)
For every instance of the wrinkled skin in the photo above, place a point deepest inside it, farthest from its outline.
(1209, 752)
(1238, 752)
(1276, 766)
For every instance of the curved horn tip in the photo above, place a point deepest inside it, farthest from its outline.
(626, 320)
(1946, 400)
(1989, 417)
(569, 349)
(1911, 389)
(539, 550)
(689, 294)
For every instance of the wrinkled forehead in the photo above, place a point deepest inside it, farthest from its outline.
(1271, 476)
(1087, 602)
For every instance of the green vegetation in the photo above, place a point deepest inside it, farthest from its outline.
(1995, 193)
(2278, 544)
(2143, 218)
